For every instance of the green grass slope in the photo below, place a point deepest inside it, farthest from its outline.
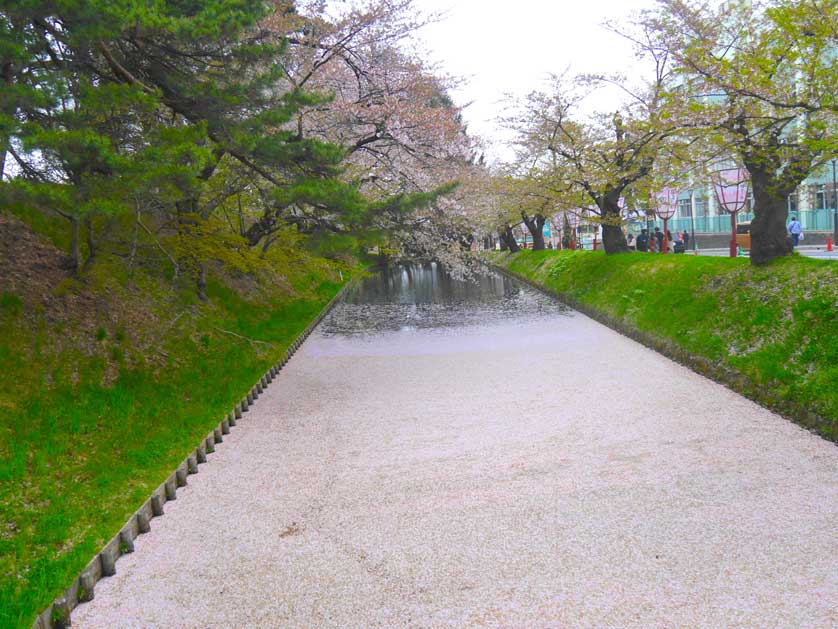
(777, 325)
(105, 386)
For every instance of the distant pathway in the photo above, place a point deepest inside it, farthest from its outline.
(531, 472)
(810, 252)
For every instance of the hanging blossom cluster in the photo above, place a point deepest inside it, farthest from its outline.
(400, 131)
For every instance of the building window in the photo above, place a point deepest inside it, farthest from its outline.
(820, 198)
(700, 206)
(685, 208)
(793, 202)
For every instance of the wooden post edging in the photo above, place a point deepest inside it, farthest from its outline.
(57, 615)
(726, 376)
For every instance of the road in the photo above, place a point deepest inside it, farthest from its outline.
(501, 463)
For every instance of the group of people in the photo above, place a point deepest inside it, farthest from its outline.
(653, 242)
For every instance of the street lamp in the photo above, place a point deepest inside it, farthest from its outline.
(692, 221)
(834, 206)
(665, 204)
(731, 186)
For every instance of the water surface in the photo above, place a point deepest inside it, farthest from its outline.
(407, 298)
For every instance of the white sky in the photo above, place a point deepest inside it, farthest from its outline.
(511, 47)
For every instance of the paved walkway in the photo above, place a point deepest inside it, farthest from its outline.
(545, 472)
(814, 251)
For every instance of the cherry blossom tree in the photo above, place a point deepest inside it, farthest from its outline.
(755, 82)
(600, 156)
(400, 132)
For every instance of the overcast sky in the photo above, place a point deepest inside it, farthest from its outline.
(511, 46)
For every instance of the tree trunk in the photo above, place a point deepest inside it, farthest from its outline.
(75, 255)
(267, 245)
(769, 236)
(613, 238)
(7, 73)
(775, 173)
(508, 237)
(134, 243)
(202, 282)
(91, 243)
(566, 234)
(535, 225)
(264, 226)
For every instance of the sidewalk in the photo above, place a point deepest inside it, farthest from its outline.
(811, 251)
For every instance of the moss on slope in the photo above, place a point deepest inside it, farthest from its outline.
(105, 385)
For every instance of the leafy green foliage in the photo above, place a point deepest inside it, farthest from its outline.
(102, 410)
(169, 109)
(753, 84)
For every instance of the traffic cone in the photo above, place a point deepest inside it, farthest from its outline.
(828, 243)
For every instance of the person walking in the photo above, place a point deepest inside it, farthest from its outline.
(795, 229)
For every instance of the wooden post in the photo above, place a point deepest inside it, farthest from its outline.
(86, 585)
(108, 563)
(143, 525)
(126, 541)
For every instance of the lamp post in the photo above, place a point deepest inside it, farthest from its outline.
(692, 221)
(731, 186)
(665, 204)
(834, 206)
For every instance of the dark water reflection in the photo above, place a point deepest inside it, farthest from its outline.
(407, 298)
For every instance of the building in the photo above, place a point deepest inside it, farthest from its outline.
(814, 204)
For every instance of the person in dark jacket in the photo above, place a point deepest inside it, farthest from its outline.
(686, 237)
(642, 242)
(659, 238)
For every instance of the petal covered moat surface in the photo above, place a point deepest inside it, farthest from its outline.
(479, 455)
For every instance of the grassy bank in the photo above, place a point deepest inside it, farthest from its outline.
(106, 383)
(777, 325)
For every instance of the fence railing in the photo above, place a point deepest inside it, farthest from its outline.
(812, 220)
